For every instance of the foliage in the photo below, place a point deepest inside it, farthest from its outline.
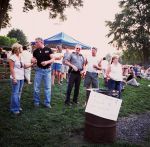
(132, 56)
(19, 35)
(7, 41)
(56, 8)
(5, 8)
(131, 29)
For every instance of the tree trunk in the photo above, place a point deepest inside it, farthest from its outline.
(3, 10)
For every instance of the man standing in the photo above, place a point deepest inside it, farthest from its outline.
(93, 65)
(75, 61)
(44, 58)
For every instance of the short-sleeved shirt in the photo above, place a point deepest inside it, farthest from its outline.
(77, 60)
(92, 60)
(42, 54)
(18, 67)
(26, 56)
(116, 72)
(104, 64)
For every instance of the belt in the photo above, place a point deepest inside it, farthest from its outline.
(92, 72)
(76, 72)
(44, 67)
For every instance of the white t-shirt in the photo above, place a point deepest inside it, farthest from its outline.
(18, 68)
(104, 64)
(116, 72)
(26, 56)
(92, 60)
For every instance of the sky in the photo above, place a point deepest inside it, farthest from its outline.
(86, 25)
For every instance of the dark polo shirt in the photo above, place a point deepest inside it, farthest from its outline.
(42, 54)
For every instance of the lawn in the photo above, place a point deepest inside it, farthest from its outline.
(41, 127)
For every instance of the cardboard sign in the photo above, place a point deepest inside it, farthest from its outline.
(103, 106)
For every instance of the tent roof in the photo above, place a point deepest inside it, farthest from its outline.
(64, 39)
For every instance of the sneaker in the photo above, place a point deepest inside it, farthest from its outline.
(20, 109)
(36, 105)
(84, 105)
(16, 113)
(59, 83)
(67, 104)
(29, 83)
(48, 106)
(75, 103)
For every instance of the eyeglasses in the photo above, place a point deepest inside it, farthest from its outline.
(78, 48)
(21, 65)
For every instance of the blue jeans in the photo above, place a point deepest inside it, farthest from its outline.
(91, 78)
(115, 85)
(42, 74)
(16, 95)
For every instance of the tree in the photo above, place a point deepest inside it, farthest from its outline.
(56, 8)
(131, 27)
(5, 8)
(132, 57)
(6, 41)
(19, 35)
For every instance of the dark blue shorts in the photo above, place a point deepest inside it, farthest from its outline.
(56, 67)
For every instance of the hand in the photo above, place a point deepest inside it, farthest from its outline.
(95, 66)
(83, 73)
(44, 63)
(74, 68)
(33, 60)
(14, 81)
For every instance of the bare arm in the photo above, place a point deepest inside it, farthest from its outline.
(68, 63)
(108, 72)
(44, 63)
(33, 61)
(98, 67)
(11, 66)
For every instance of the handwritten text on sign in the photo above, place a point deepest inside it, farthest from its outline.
(103, 106)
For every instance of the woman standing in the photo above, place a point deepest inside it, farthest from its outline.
(114, 74)
(17, 78)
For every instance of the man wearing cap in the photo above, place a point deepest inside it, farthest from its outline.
(44, 58)
(93, 64)
(75, 61)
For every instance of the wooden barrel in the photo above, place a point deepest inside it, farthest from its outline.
(99, 130)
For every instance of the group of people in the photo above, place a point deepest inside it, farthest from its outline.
(49, 65)
(20, 68)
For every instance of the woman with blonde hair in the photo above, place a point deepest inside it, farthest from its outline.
(115, 75)
(17, 77)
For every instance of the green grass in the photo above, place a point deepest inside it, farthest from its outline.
(136, 100)
(42, 127)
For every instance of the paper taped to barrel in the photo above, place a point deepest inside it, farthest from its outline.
(103, 106)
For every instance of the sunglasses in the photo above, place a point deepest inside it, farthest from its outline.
(78, 48)
(21, 65)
